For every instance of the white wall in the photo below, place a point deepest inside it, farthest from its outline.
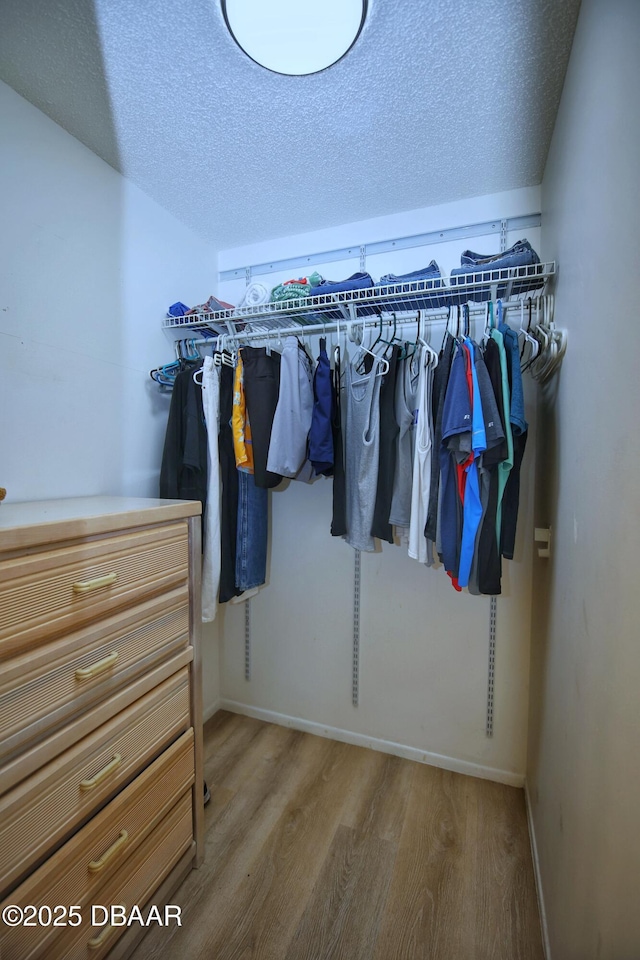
(424, 648)
(584, 773)
(89, 265)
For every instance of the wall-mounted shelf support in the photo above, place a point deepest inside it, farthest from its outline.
(355, 676)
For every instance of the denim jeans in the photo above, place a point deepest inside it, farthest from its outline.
(521, 260)
(251, 544)
(354, 283)
(357, 281)
(521, 254)
(423, 299)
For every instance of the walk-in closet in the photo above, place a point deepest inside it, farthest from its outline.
(318, 493)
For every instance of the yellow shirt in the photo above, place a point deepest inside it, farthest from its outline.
(241, 428)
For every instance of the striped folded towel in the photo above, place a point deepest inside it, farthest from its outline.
(296, 289)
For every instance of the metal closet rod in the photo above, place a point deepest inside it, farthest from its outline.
(323, 329)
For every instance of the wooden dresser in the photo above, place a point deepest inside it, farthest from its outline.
(101, 779)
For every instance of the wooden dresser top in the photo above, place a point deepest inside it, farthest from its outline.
(40, 522)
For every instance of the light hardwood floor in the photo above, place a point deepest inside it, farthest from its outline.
(317, 850)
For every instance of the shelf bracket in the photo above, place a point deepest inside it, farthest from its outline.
(355, 672)
(493, 612)
(247, 639)
(504, 226)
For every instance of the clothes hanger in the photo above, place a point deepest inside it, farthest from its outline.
(379, 337)
(394, 335)
(430, 356)
(458, 338)
(486, 330)
(534, 344)
(560, 336)
(419, 341)
(157, 377)
(383, 367)
(355, 331)
(189, 350)
(466, 320)
(446, 329)
(541, 329)
(538, 362)
(552, 356)
(166, 374)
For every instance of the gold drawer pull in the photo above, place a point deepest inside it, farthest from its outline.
(95, 866)
(85, 673)
(86, 586)
(96, 942)
(101, 774)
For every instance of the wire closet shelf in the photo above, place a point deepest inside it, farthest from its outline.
(325, 314)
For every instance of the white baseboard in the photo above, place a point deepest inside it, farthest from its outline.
(210, 710)
(384, 746)
(538, 877)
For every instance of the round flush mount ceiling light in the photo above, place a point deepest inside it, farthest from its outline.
(295, 37)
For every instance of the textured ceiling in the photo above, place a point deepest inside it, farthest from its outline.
(437, 101)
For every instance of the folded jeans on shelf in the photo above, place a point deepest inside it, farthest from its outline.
(519, 255)
(408, 282)
(482, 270)
(424, 273)
(357, 281)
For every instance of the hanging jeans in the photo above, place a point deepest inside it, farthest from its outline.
(251, 543)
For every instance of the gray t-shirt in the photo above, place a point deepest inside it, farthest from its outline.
(406, 393)
(362, 451)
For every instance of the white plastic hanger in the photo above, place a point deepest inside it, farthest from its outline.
(429, 354)
(383, 363)
(531, 340)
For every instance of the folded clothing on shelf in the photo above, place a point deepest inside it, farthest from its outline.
(254, 296)
(521, 260)
(521, 254)
(213, 305)
(408, 283)
(357, 281)
(177, 309)
(296, 289)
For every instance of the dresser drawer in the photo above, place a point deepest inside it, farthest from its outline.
(135, 887)
(47, 593)
(45, 688)
(125, 846)
(41, 810)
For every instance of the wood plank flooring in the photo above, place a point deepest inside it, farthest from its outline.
(317, 850)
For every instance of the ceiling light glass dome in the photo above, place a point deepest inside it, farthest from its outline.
(295, 37)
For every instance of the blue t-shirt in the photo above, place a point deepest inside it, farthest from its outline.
(455, 447)
(472, 511)
(320, 432)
